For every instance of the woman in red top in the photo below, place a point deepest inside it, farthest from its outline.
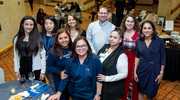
(130, 28)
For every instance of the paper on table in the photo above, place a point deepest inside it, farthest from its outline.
(24, 94)
(169, 25)
(34, 86)
(43, 97)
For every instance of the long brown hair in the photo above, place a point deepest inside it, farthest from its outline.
(136, 23)
(78, 27)
(57, 48)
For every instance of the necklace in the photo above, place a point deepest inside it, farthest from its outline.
(109, 50)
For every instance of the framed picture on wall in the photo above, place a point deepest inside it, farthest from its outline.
(161, 20)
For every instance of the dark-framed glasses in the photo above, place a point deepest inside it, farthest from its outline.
(80, 46)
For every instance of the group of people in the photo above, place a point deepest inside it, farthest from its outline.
(103, 63)
(62, 9)
(62, 12)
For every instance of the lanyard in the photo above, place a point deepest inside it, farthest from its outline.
(47, 46)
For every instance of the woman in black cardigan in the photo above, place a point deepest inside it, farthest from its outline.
(115, 67)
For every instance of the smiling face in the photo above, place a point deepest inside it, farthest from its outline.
(28, 26)
(147, 30)
(63, 40)
(114, 38)
(129, 23)
(49, 25)
(103, 14)
(81, 48)
(71, 21)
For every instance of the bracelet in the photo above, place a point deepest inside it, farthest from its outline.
(98, 94)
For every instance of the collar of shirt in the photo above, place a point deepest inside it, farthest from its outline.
(103, 23)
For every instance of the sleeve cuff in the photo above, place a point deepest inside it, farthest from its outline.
(43, 71)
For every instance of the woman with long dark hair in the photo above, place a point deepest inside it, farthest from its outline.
(115, 67)
(73, 27)
(58, 57)
(29, 53)
(149, 62)
(82, 71)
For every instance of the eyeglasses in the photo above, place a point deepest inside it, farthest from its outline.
(80, 46)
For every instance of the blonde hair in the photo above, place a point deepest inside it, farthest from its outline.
(151, 17)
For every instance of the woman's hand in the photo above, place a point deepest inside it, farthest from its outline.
(96, 97)
(136, 77)
(18, 75)
(55, 96)
(101, 77)
(42, 76)
(63, 75)
(159, 78)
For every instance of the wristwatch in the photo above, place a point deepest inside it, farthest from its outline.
(98, 94)
(161, 72)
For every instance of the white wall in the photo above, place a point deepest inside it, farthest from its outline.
(11, 14)
(165, 7)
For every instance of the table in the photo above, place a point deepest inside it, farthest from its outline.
(172, 67)
(5, 89)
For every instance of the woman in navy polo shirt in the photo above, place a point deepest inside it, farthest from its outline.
(82, 71)
(58, 57)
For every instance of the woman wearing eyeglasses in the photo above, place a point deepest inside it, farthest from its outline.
(82, 71)
(130, 28)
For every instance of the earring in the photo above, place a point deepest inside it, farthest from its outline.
(142, 35)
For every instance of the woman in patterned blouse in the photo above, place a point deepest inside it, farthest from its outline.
(130, 28)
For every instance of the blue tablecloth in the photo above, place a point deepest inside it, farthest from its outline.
(5, 89)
